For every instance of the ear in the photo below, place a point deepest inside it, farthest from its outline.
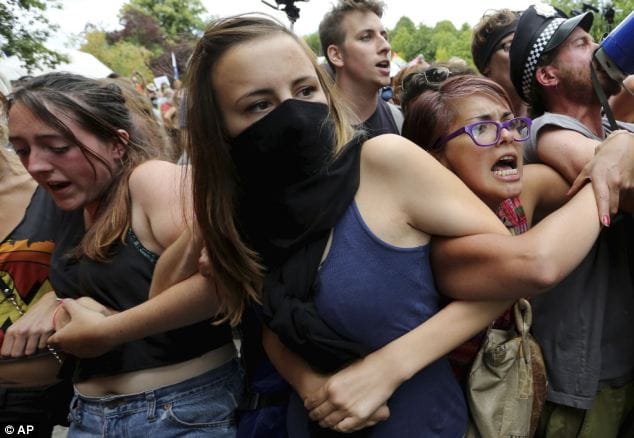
(546, 76)
(335, 55)
(118, 147)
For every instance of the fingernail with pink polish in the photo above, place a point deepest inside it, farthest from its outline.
(605, 220)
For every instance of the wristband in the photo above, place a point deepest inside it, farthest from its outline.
(59, 306)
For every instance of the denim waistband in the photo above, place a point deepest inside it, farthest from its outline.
(148, 400)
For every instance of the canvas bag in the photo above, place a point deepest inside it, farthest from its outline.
(506, 388)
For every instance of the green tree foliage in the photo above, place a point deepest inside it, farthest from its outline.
(152, 31)
(462, 44)
(405, 24)
(439, 43)
(24, 29)
(441, 39)
(140, 29)
(122, 57)
(602, 12)
(177, 18)
(424, 42)
(405, 39)
(313, 42)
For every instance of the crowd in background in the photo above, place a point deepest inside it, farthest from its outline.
(357, 229)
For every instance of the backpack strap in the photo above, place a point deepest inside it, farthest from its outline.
(397, 115)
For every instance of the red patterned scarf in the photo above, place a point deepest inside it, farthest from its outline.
(511, 213)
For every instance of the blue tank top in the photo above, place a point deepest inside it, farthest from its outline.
(373, 293)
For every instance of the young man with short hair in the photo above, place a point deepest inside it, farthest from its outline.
(356, 46)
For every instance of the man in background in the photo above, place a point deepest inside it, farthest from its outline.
(356, 47)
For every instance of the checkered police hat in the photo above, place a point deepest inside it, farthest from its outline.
(540, 30)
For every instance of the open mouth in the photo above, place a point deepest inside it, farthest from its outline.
(505, 166)
(57, 186)
(597, 66)
(383, 64)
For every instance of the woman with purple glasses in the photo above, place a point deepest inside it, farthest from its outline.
(466, 122)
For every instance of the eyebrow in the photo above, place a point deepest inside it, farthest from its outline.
(483, 117)
(382, 31)
(265, 91)
(40, 137)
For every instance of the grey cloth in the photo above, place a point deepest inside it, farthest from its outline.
(585, 324)
(565, 122)
(397, 115)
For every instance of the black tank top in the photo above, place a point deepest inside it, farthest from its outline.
(121, 283)
(380, 122)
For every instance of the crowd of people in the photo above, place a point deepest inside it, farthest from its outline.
(166, 101)
(306, 258)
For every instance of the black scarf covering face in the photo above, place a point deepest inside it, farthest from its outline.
(291, 194)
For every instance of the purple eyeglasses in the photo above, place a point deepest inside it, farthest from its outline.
(487, 132)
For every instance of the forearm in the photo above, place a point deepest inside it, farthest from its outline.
(356, 396)
(188, 302)
(46, 303)
(499, 267)
(178, 262)
(561, 240)
(446, 330)
(622, 104)
(30, 332)
(291, 367)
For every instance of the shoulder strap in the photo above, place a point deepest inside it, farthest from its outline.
(397, 115)
(602, 98)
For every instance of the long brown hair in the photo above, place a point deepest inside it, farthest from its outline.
(99, 108)
(237, 270)
(147, 129)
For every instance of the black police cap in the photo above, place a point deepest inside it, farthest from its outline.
(541, 29)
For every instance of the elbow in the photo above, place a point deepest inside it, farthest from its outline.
(543, 273)
(546, 280)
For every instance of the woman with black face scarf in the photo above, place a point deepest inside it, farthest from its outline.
(332, 232)
(276, 168)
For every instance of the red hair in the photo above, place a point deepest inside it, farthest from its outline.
(429, 115)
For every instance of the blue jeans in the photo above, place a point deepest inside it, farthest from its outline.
(202, 406)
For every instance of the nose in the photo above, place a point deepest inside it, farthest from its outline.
(288, 94)
(384, 44)
(505, 136)
(36, 162)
